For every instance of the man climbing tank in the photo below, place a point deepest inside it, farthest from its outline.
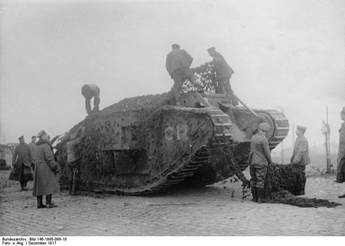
(223, 74)
(90, 91)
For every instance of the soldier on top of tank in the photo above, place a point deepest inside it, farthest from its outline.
(259, 160)
(178, 63)
(223, 74)
(90, 91)
(341, 152)
(300, 156)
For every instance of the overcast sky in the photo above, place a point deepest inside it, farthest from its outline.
(286, 55)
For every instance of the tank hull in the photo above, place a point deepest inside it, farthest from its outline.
(142, 146)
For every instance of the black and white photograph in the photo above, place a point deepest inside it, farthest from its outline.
(171, 118)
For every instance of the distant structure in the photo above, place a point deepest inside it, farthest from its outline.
(326, 130)
(5, 155)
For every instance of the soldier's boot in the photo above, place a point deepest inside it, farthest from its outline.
(49, 202)
(40, 202)
(261, 195)
(22, 186)
(254, 194)
(70, 185)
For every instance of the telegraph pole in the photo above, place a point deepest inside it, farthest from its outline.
(282, 143)
(292, 135)
(327, 132)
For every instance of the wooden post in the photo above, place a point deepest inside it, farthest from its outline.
(292, 137)
(282, 151)
(282, 156)
(328, 133)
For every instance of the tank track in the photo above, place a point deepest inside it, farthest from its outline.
(222, 137)
(281, 126)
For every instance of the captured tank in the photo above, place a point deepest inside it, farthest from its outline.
(144, 145)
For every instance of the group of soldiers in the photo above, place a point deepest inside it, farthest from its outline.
(37, 157)
(178, 63)
(260, 159)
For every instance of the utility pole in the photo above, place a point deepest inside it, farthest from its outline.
(282, 143)
(327, 132)
(282, 151)
(292, 136)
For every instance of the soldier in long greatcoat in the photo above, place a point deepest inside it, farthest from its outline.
(46, 180)
(300, 156)
(21, 161)
(341, 152)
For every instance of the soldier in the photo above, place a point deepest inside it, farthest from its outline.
(46, 169)
(341, 152)
(21, 162)
(223, 74)
(178, 63)
(300, 156)
(90, 91)
(32, 147)
(74, 158)
(259, 159)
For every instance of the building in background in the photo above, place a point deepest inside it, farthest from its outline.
(6, 152)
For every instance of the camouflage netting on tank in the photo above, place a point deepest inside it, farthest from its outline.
(284, 183)
(286, 197)
(137, 103)
(285, 177)
(205, 79)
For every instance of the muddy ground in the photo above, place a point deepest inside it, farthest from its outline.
(214, 210)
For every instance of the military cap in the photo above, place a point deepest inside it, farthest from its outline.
(211, 49)
(302, 128)
(264, 126)
(41, 133)
(175, 45)
(21, 137)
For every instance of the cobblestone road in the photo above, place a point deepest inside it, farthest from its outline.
(215, 210)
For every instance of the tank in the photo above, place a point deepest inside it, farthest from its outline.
(145, 145)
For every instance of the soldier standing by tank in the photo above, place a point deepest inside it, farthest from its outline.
(259, 160)
(300, 156)
(32, 147)
(90, 91)
(21, 162)
(341, 152)
(46, 172)
(178, 63)
(223, 74)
